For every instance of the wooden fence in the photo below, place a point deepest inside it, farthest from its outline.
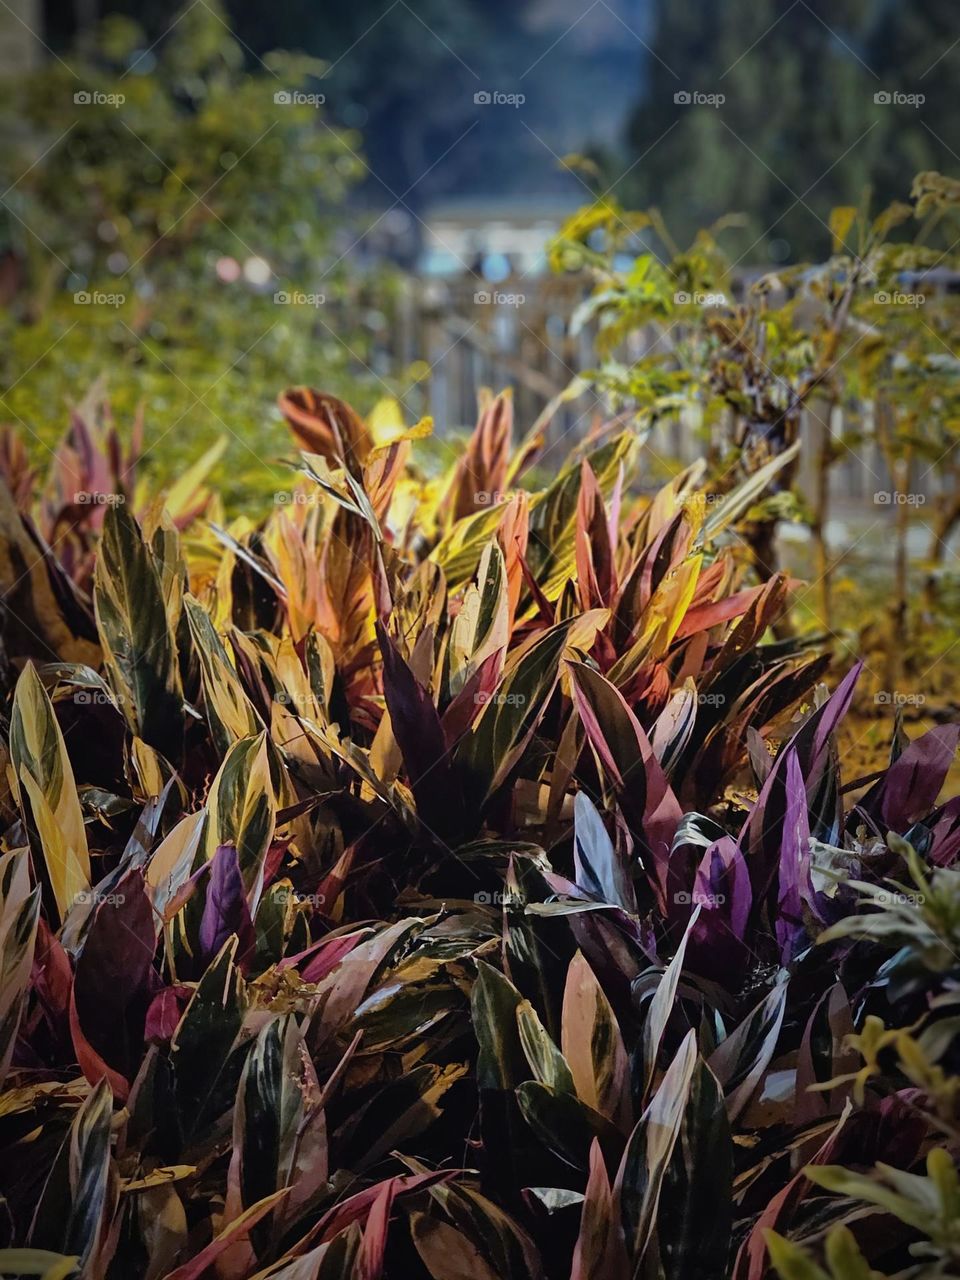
(465, 334)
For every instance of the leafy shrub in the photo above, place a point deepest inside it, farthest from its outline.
(761, 366)
(449, 879)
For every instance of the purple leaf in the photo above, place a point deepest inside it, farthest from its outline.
(112, 985)
(795, 885)
(945, 834)
(911, 786)
(761, 835)
(418, 730)
(601, 871)
(722, 892)
(225, 909)
(627, 759)
(164, 1014)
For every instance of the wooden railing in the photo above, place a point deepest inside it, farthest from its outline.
(459, 335)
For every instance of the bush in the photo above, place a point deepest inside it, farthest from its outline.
(446, 879)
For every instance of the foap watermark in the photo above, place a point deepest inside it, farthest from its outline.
(694, 98)
(284, 896)
(495, 298)
(683, 299)
(711, 699)
(297, 298)
(894, 698)
(298, 701)
(699, 898)
(96, 698)
(501, 699)
(496, 98)
(96, 298)
(93, 898)
(90, 498)
(94, 98)
(490, 497)
(895, 498)
(296, 98)
(499, 899)
(284, 498)
(895, 98)
(897, 299)
(700, 501)
(891, 898)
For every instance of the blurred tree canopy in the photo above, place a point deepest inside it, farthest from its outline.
(157, 199)
(799, 130)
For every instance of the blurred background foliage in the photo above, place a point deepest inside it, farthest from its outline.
(147, 243)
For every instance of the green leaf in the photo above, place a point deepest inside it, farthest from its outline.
(494, 1005)
(696, 1209)
(545, 1059)
(645, 1161)
(791, 1262)
(279, 1130)
(205, 1036)
(243, 810)
(38, 1262)
(19, 914)
(494, 745)
(593, 1046)
(139, 647)
(565, 1125)
(48, 796)
(447, 1253)
(69, 1215)
(230, 713)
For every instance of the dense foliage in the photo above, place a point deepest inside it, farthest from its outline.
(764, 367)
(450, 879)
(199, 192)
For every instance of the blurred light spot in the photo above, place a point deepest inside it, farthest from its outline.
(496, 266)
(117, 263)
(257, 271)
(228, 270)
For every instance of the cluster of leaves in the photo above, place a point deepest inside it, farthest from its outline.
(448, 879)
(757, 363)
(184, 173)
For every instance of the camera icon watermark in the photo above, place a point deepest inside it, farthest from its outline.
(92, 498)
(297, 298)
(694, 98)
(495, 298)
(95, 698)
(294, 98)
(495, 98)
(683, 299)
(95, 298)
(92, 898)
(894, 98)
(499, 899)
(94, 98)
(895, 498)
(894, 698)
(897, 299)
(500, 699)
(285, 896)
(699, 898)
(297, 498)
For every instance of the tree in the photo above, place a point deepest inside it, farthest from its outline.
(157, 201)
(798, 131)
